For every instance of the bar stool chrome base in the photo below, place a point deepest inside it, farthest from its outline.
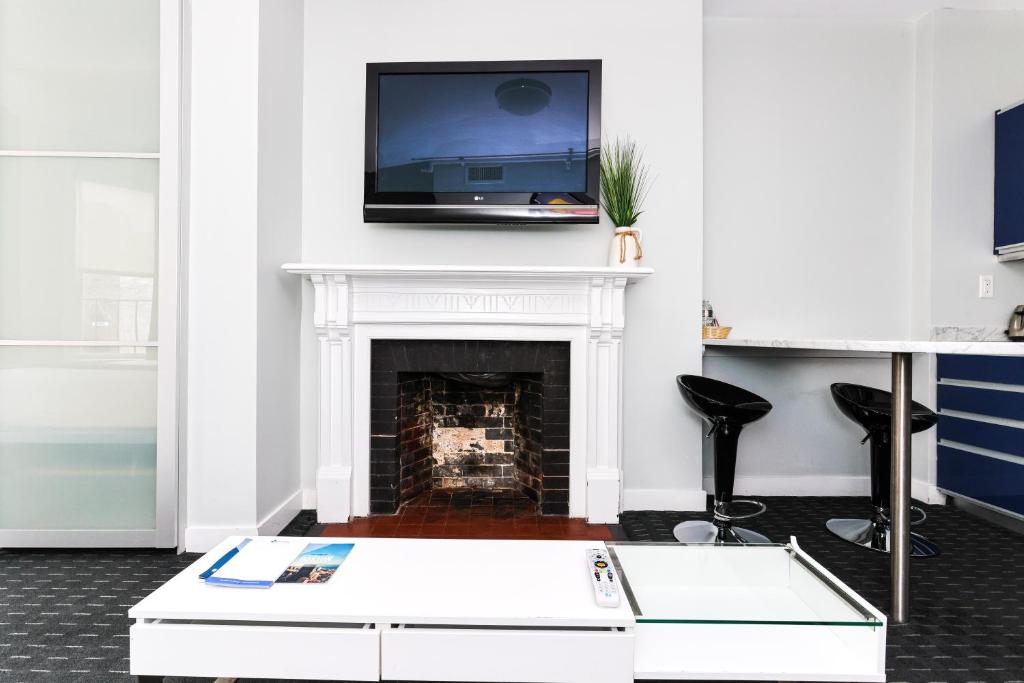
(697, 531)
(875, 535)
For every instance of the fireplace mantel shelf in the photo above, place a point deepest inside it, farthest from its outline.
(441, 271)
(353, 305)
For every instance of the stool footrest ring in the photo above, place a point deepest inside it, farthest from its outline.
(884, 514)
(721, 510)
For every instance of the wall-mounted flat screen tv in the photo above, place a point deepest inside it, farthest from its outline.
(483, 142)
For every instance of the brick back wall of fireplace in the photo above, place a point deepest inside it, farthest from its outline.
(454, 435)
(530, 448)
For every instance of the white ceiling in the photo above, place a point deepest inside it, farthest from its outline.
(863, 9)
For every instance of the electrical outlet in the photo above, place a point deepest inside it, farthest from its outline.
(985, 286)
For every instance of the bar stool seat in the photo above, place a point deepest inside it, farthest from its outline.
(727, 409)
(871, 408)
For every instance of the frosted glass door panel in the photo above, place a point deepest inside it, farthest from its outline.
(77, 438)
(80, 75)
(78, 249)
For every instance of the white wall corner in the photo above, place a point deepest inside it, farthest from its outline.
(278, 518)
(665, 499)
(926, 493)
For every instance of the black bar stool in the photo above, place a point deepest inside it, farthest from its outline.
(726, 409)
(872, 409)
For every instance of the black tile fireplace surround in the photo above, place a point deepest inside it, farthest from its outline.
(534, 407)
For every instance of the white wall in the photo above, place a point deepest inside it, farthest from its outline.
(978, 67)
(808, 170)
(244, 213)
(809, 132)
(804, 446)
(651, 90)
(279, 233)
(221, 408)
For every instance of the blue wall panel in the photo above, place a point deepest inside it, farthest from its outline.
(990, 480)
(1006, 404)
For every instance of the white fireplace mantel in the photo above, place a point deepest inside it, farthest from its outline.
(355, 304)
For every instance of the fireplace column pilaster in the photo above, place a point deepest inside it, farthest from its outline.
(331, 319)
(604, 410)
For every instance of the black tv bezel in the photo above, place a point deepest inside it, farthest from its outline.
(467, 207)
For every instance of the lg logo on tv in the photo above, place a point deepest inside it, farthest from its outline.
(477, 198)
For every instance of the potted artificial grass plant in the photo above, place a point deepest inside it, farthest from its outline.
(624, 185)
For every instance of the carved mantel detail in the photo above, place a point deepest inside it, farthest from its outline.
(352, 305)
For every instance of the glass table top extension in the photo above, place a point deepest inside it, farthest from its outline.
(675, 583)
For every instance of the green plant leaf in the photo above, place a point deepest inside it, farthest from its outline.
(624, 181)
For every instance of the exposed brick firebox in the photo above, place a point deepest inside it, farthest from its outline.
(455, 433)
(469, 415)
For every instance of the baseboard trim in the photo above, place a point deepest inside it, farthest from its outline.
(926, 493)
(201, 539)
(334, 495)
(279, 517)
(801, 485)
(664, 499)
(309, 499)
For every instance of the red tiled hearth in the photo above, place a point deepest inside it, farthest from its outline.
(473, 514)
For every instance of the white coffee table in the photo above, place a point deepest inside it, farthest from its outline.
(396, 609)
(479, 610)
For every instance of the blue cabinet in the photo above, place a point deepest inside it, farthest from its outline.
(981, 430)
(1009, 183)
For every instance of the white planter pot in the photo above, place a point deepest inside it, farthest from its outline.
(625, 250)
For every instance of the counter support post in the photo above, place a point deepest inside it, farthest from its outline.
(899, 505)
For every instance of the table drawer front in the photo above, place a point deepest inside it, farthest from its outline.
(526, 655)
(996, 481)
(258, 651)
(748, 652)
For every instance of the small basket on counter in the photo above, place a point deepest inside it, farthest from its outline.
(715, 332)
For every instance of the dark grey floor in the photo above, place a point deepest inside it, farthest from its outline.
(63, 613)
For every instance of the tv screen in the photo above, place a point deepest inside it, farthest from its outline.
(488, 142)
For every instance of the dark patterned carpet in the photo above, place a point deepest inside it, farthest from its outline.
(63, 613)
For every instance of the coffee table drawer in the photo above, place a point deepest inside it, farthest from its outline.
(245, 649)
(507, 654)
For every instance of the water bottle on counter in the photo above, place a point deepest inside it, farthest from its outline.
(707, 315)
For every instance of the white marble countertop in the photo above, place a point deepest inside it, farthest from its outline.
(974, 348)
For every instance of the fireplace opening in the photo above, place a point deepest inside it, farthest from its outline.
(470, 423)
(457, 432)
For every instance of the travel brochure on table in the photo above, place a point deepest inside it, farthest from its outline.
(317, 563)
(256, 563)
